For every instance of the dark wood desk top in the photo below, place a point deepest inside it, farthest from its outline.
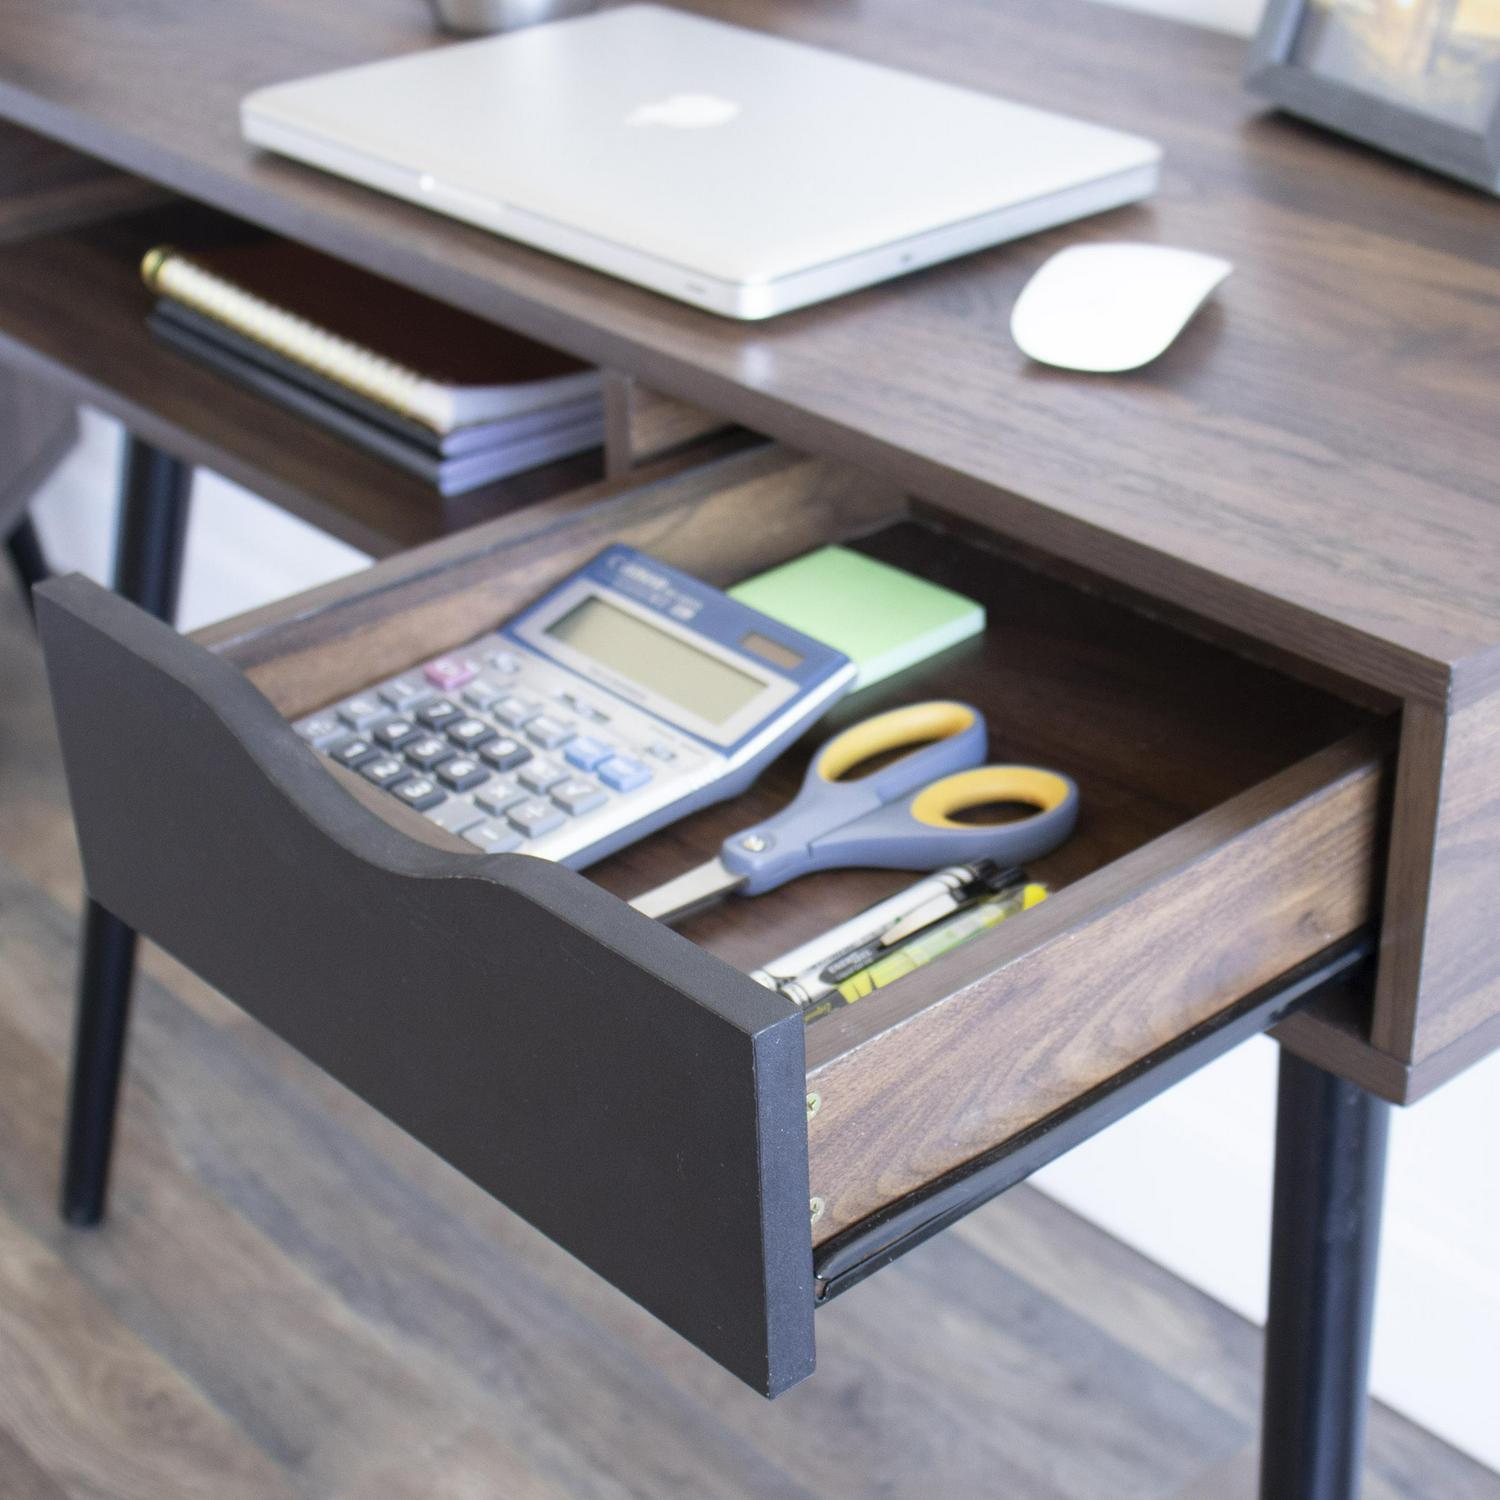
(1317, 461)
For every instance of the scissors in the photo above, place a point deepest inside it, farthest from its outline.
(900, 817)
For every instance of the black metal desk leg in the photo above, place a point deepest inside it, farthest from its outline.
(148, 568)
(1325, 1239)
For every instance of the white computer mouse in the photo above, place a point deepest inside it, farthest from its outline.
(1111, 306)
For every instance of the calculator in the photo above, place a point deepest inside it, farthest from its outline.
(627, 697)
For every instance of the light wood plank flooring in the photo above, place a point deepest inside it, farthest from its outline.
(291, 1299)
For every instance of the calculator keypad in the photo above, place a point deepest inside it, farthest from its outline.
(508, 751)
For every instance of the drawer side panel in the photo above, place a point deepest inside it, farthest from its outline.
(1437, 1005)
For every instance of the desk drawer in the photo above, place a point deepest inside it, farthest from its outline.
(625, 1087)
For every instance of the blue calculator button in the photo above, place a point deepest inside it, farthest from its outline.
(624, 774)
(585, 752)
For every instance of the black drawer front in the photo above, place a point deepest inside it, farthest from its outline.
(635, 1099)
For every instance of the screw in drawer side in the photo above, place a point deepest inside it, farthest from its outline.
(814, 1104)
(815, 1207)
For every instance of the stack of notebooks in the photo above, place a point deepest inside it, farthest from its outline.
(448, 397)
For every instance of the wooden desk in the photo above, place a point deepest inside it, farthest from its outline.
(1316, 463)
(1311, 475)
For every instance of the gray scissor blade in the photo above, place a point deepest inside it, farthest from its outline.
(688, 892)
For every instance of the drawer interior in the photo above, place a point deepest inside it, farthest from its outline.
(1155, 724)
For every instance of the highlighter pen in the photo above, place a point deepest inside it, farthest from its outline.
(929, 900)
(942, 938)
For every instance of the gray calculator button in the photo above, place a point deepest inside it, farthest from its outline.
(539, 775)
(456, 814)
(493, 838)
(533, 817)
(578, 795)
(482, 693)
(427, 751)
(548, 732)
(396, 732)
(321, 728)
(504, 754)
(498, 796)
(403, 694)
(386, 771)
(515, 710)
(354, 751)
(502, 661)
(468, 733)
(361, 712)
(662, 751)
(420, 792)
(439, 712)
(461, 773)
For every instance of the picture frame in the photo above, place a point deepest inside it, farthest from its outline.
(1367, 72)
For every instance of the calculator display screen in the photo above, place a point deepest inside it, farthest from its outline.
(656, 660)
(773, 651)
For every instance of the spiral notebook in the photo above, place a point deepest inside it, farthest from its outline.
(411, 354)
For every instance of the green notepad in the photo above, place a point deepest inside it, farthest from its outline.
(882, 618)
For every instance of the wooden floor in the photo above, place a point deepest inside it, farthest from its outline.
(292, 1299)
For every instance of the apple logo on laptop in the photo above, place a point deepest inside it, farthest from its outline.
(685, 112)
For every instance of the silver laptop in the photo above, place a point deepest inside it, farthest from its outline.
(733, 170)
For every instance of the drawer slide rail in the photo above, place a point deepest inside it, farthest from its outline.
(860, 1251)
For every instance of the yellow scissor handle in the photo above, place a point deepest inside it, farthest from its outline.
(917, 724)
(936, 804)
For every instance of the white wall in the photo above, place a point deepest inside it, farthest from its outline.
(241, 552)
(1185, 1180)
(1238, 16)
